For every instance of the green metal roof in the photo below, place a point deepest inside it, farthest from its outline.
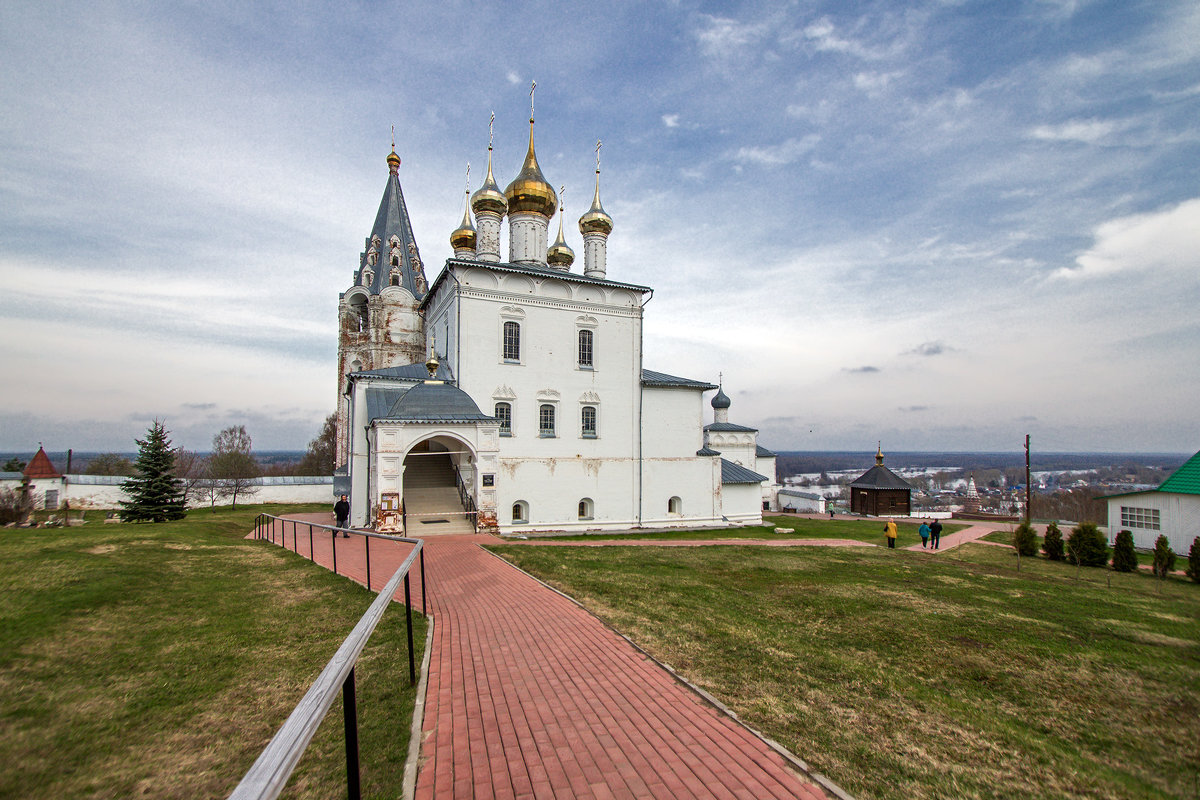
(1186, 479)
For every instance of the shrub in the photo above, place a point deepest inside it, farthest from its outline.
(1052, 544)
(1124, 559)
(1164, 557)
(1193, 568)
(1025, 540)
(1086, 546)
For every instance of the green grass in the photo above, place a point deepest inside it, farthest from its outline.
(902, 676)
(869, 531)
(158, 660)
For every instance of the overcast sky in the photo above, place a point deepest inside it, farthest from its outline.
(942, 225)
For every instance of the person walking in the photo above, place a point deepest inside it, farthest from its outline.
(341, 510)
(890, 530)
(924, 531)
(935, 535)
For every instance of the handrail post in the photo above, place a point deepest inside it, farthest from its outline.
(311, 557)
(295, 539)
(333, 539)
(412, 664)
(367, 545)
(424, 610)
(350, 716)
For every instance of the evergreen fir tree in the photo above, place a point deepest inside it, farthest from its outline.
(1086, 546)
(1123, 559)
(1025, 540)
(1193, 568)
(1164, 557)
(1052, 544)
(155, 494)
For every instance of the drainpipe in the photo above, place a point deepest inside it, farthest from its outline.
(641, 421)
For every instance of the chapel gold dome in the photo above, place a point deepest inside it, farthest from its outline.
(596, 219)
(393, 160)
(529, 193)
(489, 197)
(560, 253)
(463, 237)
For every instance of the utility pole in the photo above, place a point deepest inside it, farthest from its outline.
(1028, 485)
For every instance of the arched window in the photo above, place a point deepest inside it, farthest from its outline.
(512, 341)
(520, 511)
(395, 279)
(675, 506)
(504, 414)
(585, 348)
(546, 420)
(587, 422)
(395, 261)
(585, 508)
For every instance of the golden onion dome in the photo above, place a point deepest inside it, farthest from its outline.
(463, 237)
(529, 192)
(560, 253)
(393, 161)
(489, 197)
(596, 220)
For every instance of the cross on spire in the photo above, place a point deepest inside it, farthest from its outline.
(532, 86)
(393, 137)
(491, 129)
(599, 144)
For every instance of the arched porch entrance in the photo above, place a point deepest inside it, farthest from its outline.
(439, 487)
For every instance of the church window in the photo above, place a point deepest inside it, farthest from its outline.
(504, 414)
(520, 511)
(546, 421)
(395, 261)
(675, 506)
(585, 508)
(512, 341)
(587, 420)
(585, 349)
(395, 279)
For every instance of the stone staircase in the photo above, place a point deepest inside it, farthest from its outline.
(431, 501)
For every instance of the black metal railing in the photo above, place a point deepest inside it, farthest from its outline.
(270, 773)
(468, 502)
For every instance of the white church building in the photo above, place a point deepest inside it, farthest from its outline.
(510, 393)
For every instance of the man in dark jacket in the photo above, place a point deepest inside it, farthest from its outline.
(341, 510)
(935, 535)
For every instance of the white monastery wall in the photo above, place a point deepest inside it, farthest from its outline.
(1179, 516)
(674, 422)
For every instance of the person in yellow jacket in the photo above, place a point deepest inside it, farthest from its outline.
(891, 532)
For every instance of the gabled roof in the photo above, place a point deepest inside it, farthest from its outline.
(662, 379)
(729, 427)
(762, 452)
(381, 400)
(736, 473)
(40, 467)
(880, 477)
(798, 493)
(1185, 480)
(392, 220)
(437, 402)
(707, 451)
(537, 271)
(408, 372)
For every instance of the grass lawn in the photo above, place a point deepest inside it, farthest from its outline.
(870, 531)
(157, 661)
(904, 676)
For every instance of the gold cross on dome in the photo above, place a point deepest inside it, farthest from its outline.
(599, 144)
(532, 86)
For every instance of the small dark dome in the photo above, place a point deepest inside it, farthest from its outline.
(721, 400)
(436, 401)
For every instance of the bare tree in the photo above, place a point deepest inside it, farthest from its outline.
(191, 469)
(232, 464)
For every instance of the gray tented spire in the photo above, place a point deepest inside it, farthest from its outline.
(391, 257)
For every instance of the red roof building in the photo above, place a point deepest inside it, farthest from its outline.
(41, 467)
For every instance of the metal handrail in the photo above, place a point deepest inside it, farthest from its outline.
(268, 776)
(465, 498)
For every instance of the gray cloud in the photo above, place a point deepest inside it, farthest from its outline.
(862, 370)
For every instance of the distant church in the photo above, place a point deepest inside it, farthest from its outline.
(513, 391)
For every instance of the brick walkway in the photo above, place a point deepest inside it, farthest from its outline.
(530, 696)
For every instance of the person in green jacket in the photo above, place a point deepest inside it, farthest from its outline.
(924, 531)
(890, 530)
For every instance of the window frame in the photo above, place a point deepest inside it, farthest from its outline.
(1141, 517)
(584, 433)
(506, 426)
(510, 349)
(586, 509)
(547, 431)
(521, 507)
(585, 349)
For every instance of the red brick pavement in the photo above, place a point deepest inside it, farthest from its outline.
(530, 696)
